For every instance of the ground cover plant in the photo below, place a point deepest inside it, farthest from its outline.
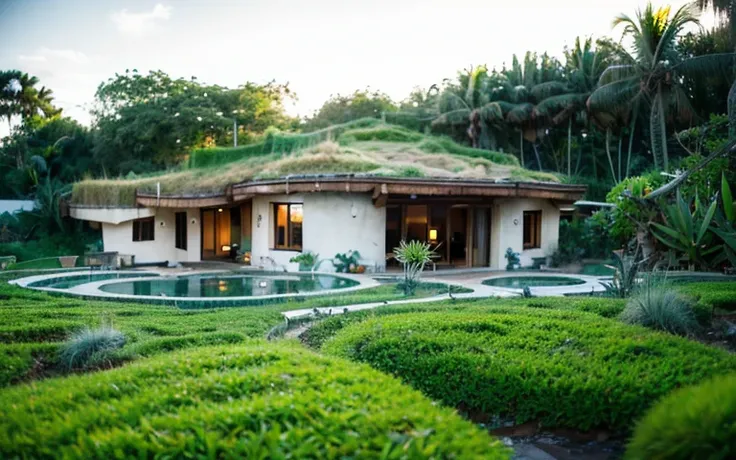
(693, 422)
(715, 294)
(555, 367)
(33, 324)
(256, 400)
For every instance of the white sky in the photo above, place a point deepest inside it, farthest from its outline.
(321, 47)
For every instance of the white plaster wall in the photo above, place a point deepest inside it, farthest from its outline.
(505, 234)
(110, 215)
(329, 228)
(119, 237)
(263, 232)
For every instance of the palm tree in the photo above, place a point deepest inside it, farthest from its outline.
(652, 73)
(19, 96)
(583, 67)
(471, 103)
(727, 10)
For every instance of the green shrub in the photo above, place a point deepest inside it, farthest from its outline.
(657, 305)
(587, 238)
(561, 368)
(693, 422)
(441, 144)
(91, 347)
(384, 133)
(714, 295)
(255, 401)
(626, 209)
(601, 306)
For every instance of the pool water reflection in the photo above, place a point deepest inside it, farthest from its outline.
(229, 285)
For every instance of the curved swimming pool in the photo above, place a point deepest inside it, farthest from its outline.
(229, 285)
(521, 281)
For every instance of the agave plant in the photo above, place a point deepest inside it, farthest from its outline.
(626, 271)
(687, 230)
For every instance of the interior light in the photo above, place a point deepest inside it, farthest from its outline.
(219, 210)
(225, 248)
(297, 215)
(432, 234)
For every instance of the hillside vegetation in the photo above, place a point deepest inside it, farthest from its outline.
(365, 146)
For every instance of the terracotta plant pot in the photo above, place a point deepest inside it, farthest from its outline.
(68, 261)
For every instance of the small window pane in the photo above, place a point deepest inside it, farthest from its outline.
(282, 212)
(296, 217)
(532, 229)
(181, 230)
(143, 229)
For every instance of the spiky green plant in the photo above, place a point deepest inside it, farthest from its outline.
(686, 231)
(657, 305)
(91, 347)
(414, 256)
(625, 275)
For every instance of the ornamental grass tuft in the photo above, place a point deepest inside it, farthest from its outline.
(91, 347)
(657, 305)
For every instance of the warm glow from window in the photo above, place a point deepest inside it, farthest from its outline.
(297, 215)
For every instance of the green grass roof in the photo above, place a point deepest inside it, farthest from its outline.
(366, 147)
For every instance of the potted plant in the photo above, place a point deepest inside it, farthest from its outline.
(306, 260)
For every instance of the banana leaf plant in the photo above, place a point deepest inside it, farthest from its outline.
(687, 231)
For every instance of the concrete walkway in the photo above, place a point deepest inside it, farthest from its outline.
(592, 284)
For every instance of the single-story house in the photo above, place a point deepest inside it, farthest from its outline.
(470, 222)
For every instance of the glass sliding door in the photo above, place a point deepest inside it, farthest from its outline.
(481, 236)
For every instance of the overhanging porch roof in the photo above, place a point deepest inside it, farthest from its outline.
(379, 187)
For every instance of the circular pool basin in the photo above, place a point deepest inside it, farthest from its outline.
(519, 282)
(229, 285)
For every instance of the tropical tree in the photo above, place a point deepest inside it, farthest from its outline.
(653, 73)
(20, 97)
(341, 109)
(727, 10)
(584, 65)
(145, 122)
(488, 103)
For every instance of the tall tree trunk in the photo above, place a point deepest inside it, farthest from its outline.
(658, 128)
(620, 138)
(569, 143)
(732, 111)
(536, 154)
(608, 154)
(632, 129)
(521, 147)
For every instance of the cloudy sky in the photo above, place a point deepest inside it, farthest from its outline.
(320, 47)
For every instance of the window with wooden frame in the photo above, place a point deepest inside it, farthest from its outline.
(532, 229)
(180, 241)
(288, 219)
(143, 229)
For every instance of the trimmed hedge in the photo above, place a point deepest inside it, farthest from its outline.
(255, 401)
(385, 133)
(693, 422)
(713, 294)
(562, 368)
(40, 322)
